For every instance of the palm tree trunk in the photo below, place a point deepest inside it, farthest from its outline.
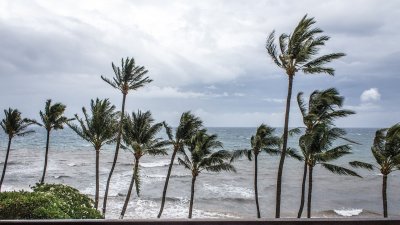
(309, 191)
(255, 185)
(384, 196)
(166, 182)
(96, 198)
(115, 155)
(46, 156)
(191, 197)
(303, 190)
(282, 160)
(128, 196)
(5, 162)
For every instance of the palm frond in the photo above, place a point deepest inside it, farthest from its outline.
(363, 165)
(339, 170)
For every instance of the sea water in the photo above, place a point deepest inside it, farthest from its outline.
(217, 195)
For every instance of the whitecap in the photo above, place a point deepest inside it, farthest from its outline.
(348, 212)
(71, 164)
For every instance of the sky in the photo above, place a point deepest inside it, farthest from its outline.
(205, 56)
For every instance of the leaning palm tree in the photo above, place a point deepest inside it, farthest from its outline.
(263, 141)
(323, 107)
(52, 118)
(202, 157)
(128, 77)
(99, 129)
(386, 151)
(297, 53)
(13, 125)
(320, 151)
(140, 136)
(189, 124)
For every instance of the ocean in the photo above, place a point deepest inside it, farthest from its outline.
(222, 195)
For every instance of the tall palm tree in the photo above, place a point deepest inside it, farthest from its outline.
(99, 129)
(263, 141)
(320, 151)
(386, 151)
(13, 125)
(52, 118)
(140, 136)
(189, 124)
(298, 52)
(202, 157)
(128, 77)
(323, 107)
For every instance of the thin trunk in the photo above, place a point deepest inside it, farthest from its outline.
(309, 191)
(128, 196)
(255, 185)
(191, 197)
(166, 182)
(282, 160)
(303, 190)
(46, 156)
(384, 196)
(5, 162)
(115, 155)
(96, 198)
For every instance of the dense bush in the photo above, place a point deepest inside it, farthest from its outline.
(47, 201)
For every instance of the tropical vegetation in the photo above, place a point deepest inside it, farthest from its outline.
(139, 135)
(129, 77)
(297, 52)
(13, 125)
(52, 119)
(386, 151)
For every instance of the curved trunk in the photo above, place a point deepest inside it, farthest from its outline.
(303, 190)
(96, 198)
(309, 192)
(5, 162)
(115, 155)
(46, 156)
(166, 182)
(284, 145)
(255, 185)
(191, 197)
(384, 196)
(128, 196)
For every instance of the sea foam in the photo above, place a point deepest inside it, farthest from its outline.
(348, 212)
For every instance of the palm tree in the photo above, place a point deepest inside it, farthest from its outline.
(99, 129)
(52, 118)
(318, 149)
(263, 141)
(203, 158)
(129, 77)
(140, 135)
(189, 124)
(13, 125)
(297, 51)
(386, 151)
(323, 107)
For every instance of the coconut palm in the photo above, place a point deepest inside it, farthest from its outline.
(128, 77)
(189, 124)
(98, 128)
(14, 125)
(323, 107)
(140, 136)
(319, 150)
(202, 157)
(386, 151)
(52, 118)
(298, 52)
(263, 141)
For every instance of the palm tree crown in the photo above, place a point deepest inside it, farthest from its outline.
(52, 117)
(14, 125)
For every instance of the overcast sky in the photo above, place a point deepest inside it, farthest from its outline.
(204, 56)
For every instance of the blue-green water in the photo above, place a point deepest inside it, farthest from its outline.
(226, 195)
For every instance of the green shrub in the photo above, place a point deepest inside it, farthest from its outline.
(47, 201)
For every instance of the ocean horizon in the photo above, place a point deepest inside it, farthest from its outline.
(222, 195)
